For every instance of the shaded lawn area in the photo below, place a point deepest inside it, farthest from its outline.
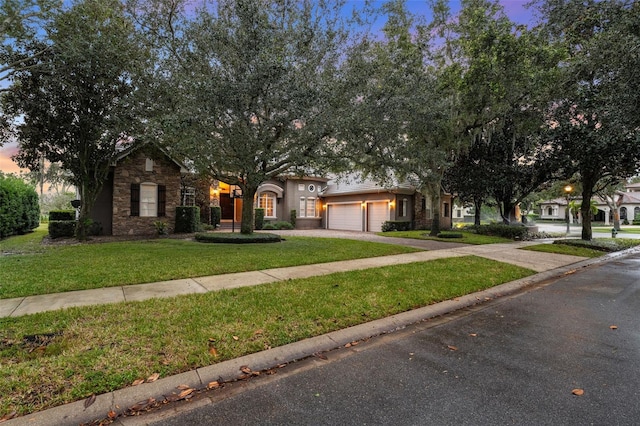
(467, 237)
(66, 268)
(99, 349)
(623, 229)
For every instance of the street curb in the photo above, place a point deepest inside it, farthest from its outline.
(120, 401)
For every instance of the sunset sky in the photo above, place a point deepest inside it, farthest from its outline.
(515, 9)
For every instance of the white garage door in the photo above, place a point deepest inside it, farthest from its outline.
(377, 214)
(346, 217)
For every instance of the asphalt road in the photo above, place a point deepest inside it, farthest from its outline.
(514, 360)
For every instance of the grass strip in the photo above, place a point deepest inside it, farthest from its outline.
(52, 358)
(467, 237)
(565, 249)
(87, 266)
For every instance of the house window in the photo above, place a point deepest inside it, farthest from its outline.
(459, 213)
(403, 207)
(301, 187)
(188, 196)
(148, 165)
(311, 207)
(148, 200)
(549, 211)
(312, 188)
(636, 213)
(267, 201)
(446, 210)
(623, 213)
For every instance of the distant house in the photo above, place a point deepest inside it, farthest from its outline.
(628, 203)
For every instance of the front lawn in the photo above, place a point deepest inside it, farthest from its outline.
(57, 357)
(84, 266)
(625, 229)
(467, 237)
(565, 249)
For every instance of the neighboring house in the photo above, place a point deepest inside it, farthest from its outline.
(628, 202)
(143, 187)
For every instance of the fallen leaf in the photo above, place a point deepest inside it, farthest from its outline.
(613, 327)
(321, 356)
(245, 369)
(185, 393)
(89, 401)
(213, 385)
(348, 345)
(152, 378)
(259, 331)
(137, 382)
(213, 351)
(211, 339)
(236, 338)
(573, 271)
(578, 392)
(112, 414)
(453, 348)
(473, 334)
(183, 387)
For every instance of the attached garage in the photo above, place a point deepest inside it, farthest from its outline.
(344, 217)
(377, 214)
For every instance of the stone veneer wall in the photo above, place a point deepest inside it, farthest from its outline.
(130, 170)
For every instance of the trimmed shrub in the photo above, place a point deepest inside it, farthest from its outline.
(19, 209)
(62, 215)
(294, 215)
(62, 228)
(514, 232)
(396, 225)
(187, 219)
(216, 214)
(259, 219)
(277, 225)
(235, 238)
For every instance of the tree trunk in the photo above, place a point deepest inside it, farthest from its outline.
(477, 205)
(435, 205)
(585, 211)
(88, 198)
(248, 195)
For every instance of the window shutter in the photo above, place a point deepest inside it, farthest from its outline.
(135, 199)
(162, 200)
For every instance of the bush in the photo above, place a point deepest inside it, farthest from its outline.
(216, 214)
(396, 225)
(187, 219)
(294, 215)
(235, 238)
(259, 219)
(62, 215)
(514, 232)
(19, 209)
(62, 228)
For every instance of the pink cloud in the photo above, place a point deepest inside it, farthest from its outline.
(6, 163)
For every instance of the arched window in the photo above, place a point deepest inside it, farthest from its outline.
(267, 201)
(636, 213)
(623, 213)
(550, 211)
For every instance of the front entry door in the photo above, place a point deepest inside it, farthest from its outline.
(226, 207)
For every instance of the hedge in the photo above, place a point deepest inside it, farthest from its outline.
(259, 219)
(514, 232)
(62, 228)
(19, 209)
(62, 215)
(278, 225)
(396, 225)
(216, 214)
(187, 219)
(235, 238)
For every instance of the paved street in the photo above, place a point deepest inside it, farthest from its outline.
(514, 360)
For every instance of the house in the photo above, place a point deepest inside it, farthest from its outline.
(143, 186)
(628, 203)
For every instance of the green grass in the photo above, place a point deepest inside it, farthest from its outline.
(98, 349)
(602, 244)
(28, 243)
(467, 237)
(86, 266)
(625, 229)
(565, 249)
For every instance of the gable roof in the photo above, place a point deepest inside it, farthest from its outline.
(355, 184)
(136, 146)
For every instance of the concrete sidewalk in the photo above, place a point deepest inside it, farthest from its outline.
(507, 253)
(548, 265)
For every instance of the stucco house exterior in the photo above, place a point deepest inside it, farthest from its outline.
(628, 203)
